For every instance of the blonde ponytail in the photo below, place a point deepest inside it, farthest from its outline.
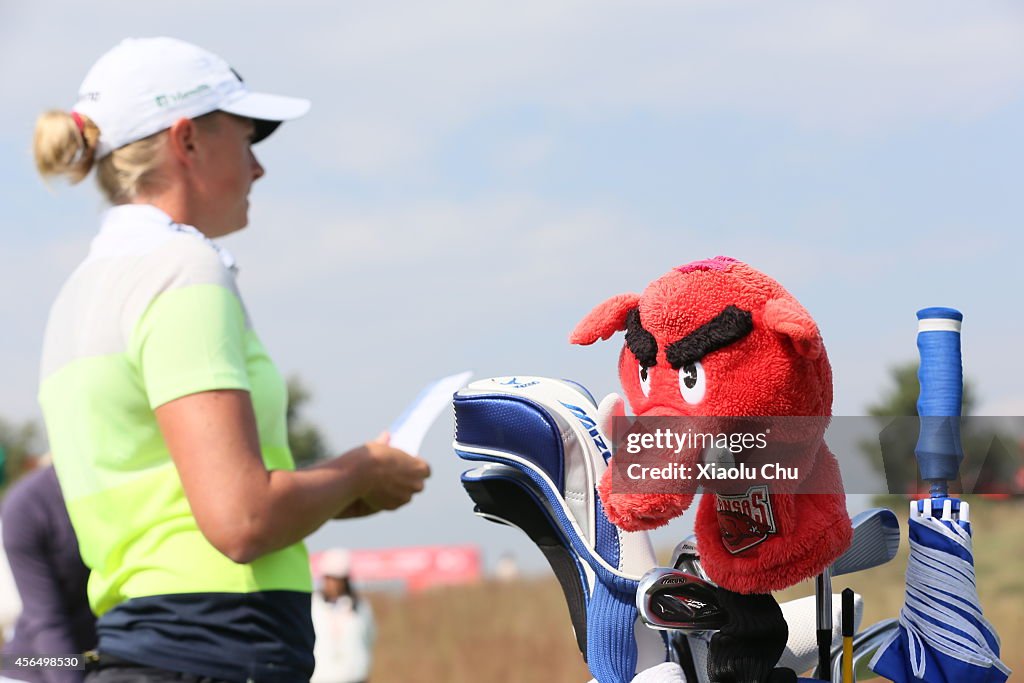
(65, 145)
(62, 148)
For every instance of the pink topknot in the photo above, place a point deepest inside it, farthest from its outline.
(717, 263)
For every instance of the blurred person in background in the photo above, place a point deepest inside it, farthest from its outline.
(506, 568)
(165, 415)
(10, 603)
(51, 579)
(343, 621)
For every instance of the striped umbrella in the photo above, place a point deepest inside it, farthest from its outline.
(942, 635)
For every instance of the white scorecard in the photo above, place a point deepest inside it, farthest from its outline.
(409, 429)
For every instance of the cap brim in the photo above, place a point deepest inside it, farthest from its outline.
(267, 110)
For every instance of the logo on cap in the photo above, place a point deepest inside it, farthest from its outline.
(175, 98)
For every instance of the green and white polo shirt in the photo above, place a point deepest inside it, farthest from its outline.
(151, 315)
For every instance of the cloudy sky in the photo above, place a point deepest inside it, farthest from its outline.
(474, 176)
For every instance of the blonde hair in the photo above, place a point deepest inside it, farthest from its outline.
(61, 148)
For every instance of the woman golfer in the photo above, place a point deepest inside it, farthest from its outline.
(165, 415)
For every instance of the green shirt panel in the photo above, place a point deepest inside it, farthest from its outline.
(125, 498)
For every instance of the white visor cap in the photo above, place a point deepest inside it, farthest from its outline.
(336, 563)
(143, 85)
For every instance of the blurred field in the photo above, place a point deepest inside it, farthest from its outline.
(520, 631)
(500, 632)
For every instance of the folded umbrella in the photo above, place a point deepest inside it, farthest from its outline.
(942, 635)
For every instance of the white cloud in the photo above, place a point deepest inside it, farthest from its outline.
(493, 242)
(391, 80)
(523, 153)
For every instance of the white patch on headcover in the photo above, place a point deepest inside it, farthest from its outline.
(651, 650)
(610, 407)
(636, 554)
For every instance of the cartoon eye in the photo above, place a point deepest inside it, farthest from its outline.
(692, 383)
(645, 380)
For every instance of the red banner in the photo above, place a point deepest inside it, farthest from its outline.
(418, 567)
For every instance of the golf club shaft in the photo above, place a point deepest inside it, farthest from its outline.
(848, 660)
(823, 597)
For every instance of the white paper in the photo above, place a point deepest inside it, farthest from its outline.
(409, 429)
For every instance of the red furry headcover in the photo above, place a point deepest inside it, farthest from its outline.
(719, 338)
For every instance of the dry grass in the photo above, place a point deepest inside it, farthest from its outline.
(520, 632)
(496, 632)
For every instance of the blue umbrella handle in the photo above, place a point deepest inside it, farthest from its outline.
(939, 450)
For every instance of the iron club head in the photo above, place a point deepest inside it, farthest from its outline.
(671, 599)
(876, 539)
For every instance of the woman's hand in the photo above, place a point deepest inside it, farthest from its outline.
(359, 508)
(389, 478)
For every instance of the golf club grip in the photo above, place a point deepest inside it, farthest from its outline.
(824, 670)
(938, 450)
(847, 631)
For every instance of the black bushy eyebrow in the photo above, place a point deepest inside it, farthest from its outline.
(729, 326)
(641, 342)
